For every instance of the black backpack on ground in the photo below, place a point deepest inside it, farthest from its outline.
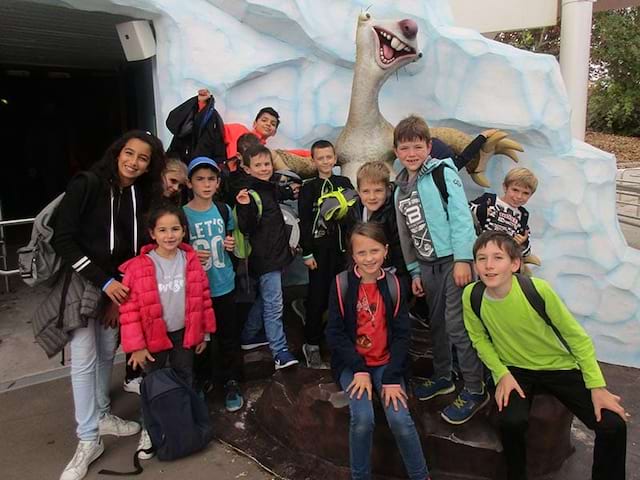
(176, 418)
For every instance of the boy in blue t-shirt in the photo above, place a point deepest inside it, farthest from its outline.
(210, 226)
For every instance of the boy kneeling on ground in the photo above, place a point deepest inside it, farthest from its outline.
(527, 352)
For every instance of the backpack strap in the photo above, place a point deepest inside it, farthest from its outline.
(258, 200)
(210, 109)
(438, 178)
(224, 213)
(394, 289)
(393, 284)
(342, 284)
(537, 302)
(477, 294)
(138, 469)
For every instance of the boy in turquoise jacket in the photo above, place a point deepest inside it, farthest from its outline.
(436, 236)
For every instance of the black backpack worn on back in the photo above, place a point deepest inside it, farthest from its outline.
(531, 294)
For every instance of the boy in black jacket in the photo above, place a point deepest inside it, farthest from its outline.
(375, 204)
(323, 246)
(270, 252)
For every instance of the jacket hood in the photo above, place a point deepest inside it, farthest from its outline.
(428, 166)
(146, 249)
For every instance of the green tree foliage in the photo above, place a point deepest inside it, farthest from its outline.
(539, 40)
(614, 95)
(614, 101)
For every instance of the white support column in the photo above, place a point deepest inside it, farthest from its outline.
(575, 45)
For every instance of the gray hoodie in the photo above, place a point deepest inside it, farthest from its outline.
(415, 239)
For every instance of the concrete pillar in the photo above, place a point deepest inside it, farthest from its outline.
(575, 44)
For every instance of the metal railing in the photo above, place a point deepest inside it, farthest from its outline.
(4, 271)
(628, 195)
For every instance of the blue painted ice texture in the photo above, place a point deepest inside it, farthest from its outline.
(297, 56)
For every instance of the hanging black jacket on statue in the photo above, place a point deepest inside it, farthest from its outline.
(196, 133)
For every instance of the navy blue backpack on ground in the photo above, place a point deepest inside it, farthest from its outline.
(176, 418)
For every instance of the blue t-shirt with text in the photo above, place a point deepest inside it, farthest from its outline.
(207, 232)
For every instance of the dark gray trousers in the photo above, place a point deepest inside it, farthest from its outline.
(444, 298)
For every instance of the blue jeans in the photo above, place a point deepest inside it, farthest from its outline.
(267, 310)
(361, 431)
(92, 352)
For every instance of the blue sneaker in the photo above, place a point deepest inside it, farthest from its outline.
(465, 406)
(260, 340)
(285, 359)
(233, 400)
(432, 388)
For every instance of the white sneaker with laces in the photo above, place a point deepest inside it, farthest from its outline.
(111, 425)
(87, 452)
(145, 444)
(133, 385)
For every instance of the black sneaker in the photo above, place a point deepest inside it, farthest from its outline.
(313, 358)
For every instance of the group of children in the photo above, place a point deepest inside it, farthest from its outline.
(396, 240)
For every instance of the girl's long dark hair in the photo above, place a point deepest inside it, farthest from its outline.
(149, 184)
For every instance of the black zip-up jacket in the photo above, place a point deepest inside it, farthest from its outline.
(341, 333)
(334, 236)
(268, 236)
(82, 237)
(386, 216)
(192, 136)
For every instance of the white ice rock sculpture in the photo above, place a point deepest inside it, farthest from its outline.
(297, 56)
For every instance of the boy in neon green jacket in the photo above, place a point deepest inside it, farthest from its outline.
(527, 353)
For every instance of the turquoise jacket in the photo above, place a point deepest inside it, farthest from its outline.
(449, 223)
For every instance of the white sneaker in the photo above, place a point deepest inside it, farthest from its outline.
(145, 444)
(112, 425)
(87, 452)
(133, 385)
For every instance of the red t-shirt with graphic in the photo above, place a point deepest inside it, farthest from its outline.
(371, 329)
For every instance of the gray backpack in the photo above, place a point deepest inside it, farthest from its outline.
(37, 261)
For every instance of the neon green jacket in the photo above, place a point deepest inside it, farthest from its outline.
(520, 338)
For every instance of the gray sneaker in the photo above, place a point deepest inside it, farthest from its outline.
(312, 355)
(299, 309)
(111, 425)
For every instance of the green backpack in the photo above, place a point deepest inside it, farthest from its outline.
(242, 248)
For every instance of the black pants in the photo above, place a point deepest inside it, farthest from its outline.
(179, 358)
(609, 451)
(330, 262)
(222, 360)
(129, 372)
(229, 329)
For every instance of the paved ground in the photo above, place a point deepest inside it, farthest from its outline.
(38, 437)
(38, 440)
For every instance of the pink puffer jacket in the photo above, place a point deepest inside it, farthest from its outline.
(141, 322)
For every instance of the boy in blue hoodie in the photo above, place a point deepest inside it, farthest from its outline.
(436, 236)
